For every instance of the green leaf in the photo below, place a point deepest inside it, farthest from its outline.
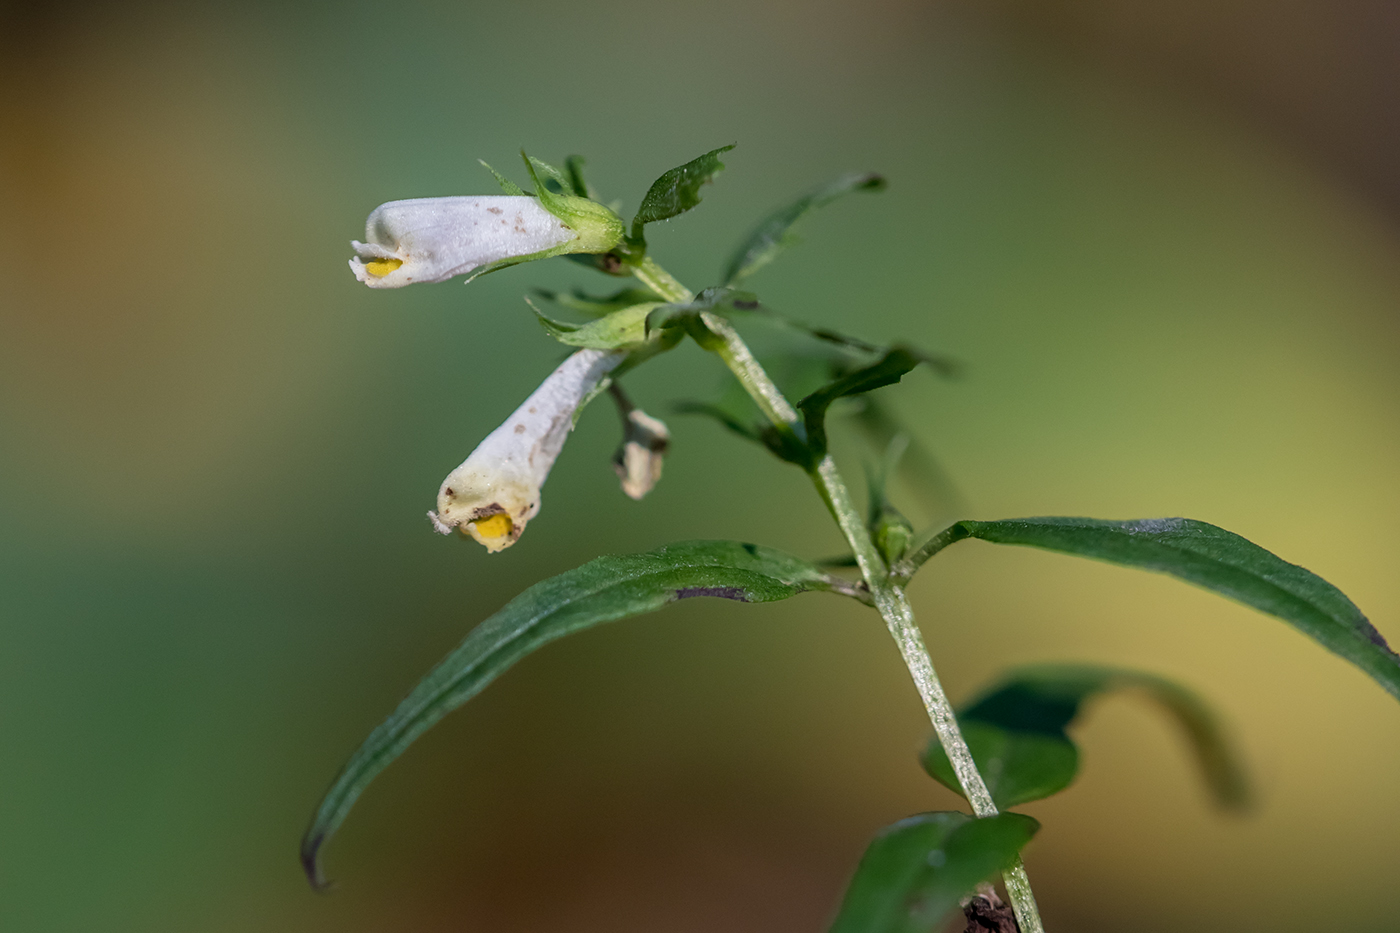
(1207, 556)
(885, 371)
(775, 233)
(1016, 732)
(678, 190)
(915, 872)
(508, 186)
(601, 590)
(598, 307)
(721, 300)
(573, 165)
(623, 328)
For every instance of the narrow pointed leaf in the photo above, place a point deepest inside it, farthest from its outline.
(678, 190)
(508, 186)
(1207, 556)
(573, 165)
(623, 328)
(602, 590)
(915, 872)
(597, 307)
(775, 233)
(1016, 732)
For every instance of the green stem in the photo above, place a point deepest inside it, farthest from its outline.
(887, 594)
(661, 281)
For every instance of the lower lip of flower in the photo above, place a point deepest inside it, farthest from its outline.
(495, 526)
(382, 267)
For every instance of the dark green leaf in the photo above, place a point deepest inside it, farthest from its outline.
(1016, 732)
(784, 445)
(573, 165)
(601, 590)
(888, 370)
(743, 429)
(915, 872)
(775, 233)
(1206, 556)
(678, 190)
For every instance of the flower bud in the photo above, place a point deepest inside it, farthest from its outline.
(433, 239)
(496, 490)
(638, 459)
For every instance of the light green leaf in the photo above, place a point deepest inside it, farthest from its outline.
(623, 328)
(1016, 732)
(678, 190)
(915, 872)
(1207, 556)
(602, 590)
(508, 186)
(775, 233)
(597, 307)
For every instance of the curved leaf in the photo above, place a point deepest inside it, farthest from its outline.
(678, 190)
(1016, 732)
(601, 590)
(1207, 556)
(613, 331)
(889, 369)
(915, 872)
(770, 237)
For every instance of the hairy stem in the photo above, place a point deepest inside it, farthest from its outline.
(887, 594)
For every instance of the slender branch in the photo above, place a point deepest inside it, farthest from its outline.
(886, 594)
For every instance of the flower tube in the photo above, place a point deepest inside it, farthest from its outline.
(433, 239)
(496, 490)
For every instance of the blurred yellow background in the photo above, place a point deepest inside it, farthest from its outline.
(1166, 252)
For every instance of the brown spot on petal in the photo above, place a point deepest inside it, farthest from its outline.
(520, 429)
(495, 210)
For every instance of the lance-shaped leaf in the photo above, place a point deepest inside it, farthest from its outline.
(1207, 556)
(602, 590)
(915, 872)
(775, 233)
(678, 190)
(1016, 732)
(599, 306)
(625, 328)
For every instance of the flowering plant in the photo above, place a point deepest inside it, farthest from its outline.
(1007, 746)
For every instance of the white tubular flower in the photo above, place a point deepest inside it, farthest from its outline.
(497, 489)
(433, 239)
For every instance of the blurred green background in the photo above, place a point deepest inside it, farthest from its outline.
(1163, 241)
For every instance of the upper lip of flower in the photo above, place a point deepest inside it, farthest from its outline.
(433, 239)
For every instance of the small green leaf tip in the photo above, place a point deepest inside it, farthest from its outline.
(775, 233)
(678, 190)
